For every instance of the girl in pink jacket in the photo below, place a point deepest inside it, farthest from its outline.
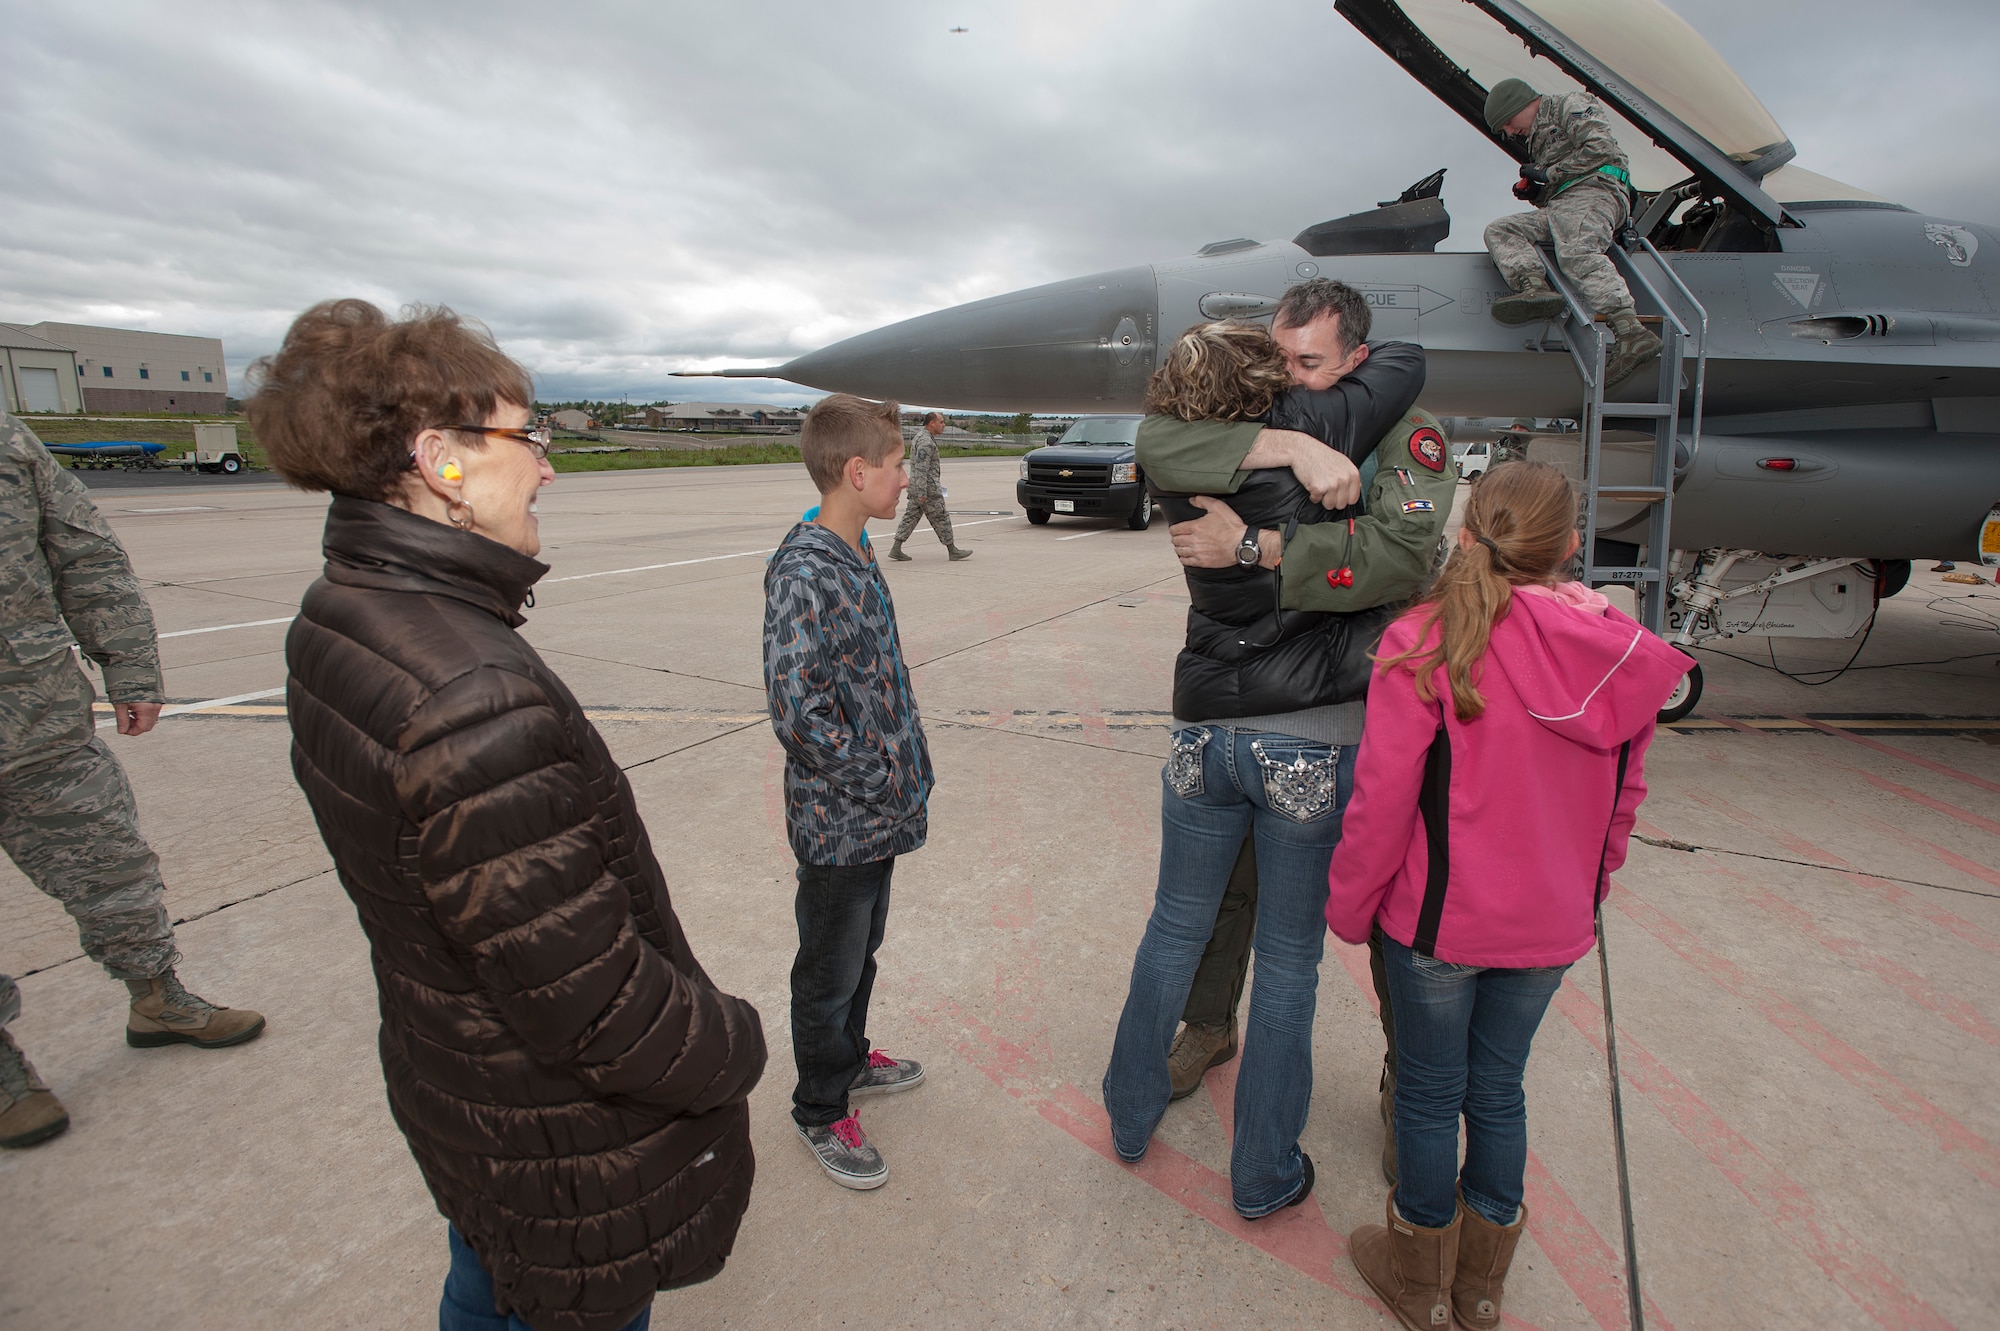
(1500, 771)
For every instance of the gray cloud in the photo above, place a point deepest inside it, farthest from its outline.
(622, 190)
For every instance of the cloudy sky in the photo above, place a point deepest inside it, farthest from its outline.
(625, 189)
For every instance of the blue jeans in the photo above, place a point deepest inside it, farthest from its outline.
(1462, 1039)
(842, 911)
(1220, 786)
(468, 1296)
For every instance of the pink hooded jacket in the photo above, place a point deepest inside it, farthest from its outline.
(1478, 842)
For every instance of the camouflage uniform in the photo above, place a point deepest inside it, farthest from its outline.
(926, 495)
(1581, 207)
(67, 818)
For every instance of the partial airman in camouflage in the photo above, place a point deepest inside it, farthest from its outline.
(926, 493)
(67, 817)
(1580, 182)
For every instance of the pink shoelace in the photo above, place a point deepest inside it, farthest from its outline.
(848, 1130)
(878, 1059)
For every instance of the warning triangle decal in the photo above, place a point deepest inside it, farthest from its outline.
(1802, 287)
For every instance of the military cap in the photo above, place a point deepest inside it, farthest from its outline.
(1507, 100)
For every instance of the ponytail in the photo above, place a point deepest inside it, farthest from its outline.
(1519, 519)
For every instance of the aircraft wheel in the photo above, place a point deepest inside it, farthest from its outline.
(1038, 516)
(1142, 514)
(231, 465)
(1891, 576)
(1685, 695)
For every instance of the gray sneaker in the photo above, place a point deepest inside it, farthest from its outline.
(844, 1152)
(884, 1075)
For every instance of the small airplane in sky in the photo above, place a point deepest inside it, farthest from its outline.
(959, 30)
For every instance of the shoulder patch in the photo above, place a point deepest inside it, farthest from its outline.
(1427, 447)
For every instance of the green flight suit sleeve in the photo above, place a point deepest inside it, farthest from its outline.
(96, 594)
(1393, 547)
(1195, 457)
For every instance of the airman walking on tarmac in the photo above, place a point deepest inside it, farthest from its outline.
(67, 817)
(926, 493)
(1579, 180)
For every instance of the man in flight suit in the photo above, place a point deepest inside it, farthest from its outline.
(1578, 179)
(926, 497)
(67, 818)
(1384, 557)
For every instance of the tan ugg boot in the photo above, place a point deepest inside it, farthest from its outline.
(164, 1013)
(1197, 1049)
(1485, 1251)
(1409, 1267)
(29, 1111)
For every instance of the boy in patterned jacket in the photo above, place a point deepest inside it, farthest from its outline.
(857, 771)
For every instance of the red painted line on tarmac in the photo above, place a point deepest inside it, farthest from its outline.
(1902, 754)
(1586, 1263)
(1789, 1207)
(1299, 1236)
(1914, 986)
(1971, 1150)
(1930, 802)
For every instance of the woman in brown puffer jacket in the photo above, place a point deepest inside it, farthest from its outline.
(570, 1082)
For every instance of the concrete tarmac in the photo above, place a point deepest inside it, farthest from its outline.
(1809, 1019)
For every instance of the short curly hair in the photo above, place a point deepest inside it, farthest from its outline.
(339, 405)
(1225, 371)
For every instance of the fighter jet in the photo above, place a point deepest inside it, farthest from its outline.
(1838, 412)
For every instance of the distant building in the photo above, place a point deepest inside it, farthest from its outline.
(571, 419)
(124, 369)
(754, 417)
(40, 375)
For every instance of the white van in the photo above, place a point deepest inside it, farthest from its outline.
(1474, 460)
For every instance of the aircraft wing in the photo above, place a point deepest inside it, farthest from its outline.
(1689, 112)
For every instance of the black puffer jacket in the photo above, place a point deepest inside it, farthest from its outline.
(1245, 654)
(569, 1080)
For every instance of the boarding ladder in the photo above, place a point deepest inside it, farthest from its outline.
(1648, 401)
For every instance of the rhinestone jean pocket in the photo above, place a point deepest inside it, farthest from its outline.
(1184, 763)
(1302, 789)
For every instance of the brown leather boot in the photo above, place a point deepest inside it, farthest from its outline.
(1485, 1251)
(29, 1111)
(1411, 1268)
(1196, 1050)
(164, 1013)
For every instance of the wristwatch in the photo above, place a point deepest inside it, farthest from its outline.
(1249, 551)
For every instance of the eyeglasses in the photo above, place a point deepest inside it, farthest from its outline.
(536, 439)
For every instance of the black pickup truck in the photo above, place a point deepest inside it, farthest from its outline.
(1090, 472)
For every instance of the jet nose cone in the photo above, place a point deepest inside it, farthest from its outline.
(1078, 346)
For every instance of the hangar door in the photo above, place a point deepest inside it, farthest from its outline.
(38, 389)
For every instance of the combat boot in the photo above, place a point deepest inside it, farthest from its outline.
(1485, 1251)
(164, 1013)
(1636, 345)
(29, 1111)
(955, 552)
(1411, 1268)
(1198, 1048)
(896, 551)
(1533, 303)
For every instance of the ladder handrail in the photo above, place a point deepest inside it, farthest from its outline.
(1701, 341)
